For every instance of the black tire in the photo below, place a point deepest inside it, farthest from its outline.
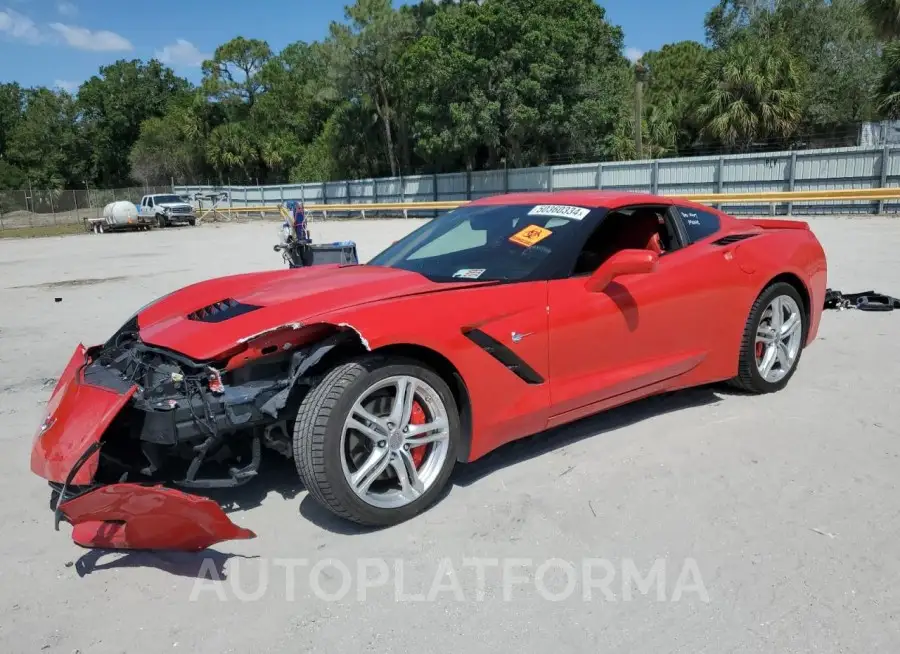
(749, 378)
(161, 221)
(192, 222)
(317, 438)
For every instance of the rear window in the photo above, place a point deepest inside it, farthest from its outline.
(699, 224)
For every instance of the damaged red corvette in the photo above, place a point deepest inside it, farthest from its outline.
(498, 320)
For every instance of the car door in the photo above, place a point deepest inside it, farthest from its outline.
(643, 331)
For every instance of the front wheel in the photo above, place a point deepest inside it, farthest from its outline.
(773, 340)
(161, 221)
(376, 440)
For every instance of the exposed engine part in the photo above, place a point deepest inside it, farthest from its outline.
(277, 438)
(188, 418)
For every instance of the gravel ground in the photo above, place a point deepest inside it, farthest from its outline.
(772, 522)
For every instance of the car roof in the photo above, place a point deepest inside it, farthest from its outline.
(589, 199)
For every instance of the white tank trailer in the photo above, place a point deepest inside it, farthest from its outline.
(117, 216)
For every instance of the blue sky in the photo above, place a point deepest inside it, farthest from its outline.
(64, 42)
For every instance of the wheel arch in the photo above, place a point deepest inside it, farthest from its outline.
(445, 369)
(430, 358)
(794, 280)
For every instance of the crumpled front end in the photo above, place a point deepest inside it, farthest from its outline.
(129, 422)
(90, 443)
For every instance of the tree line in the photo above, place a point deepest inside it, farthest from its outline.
(446, 85)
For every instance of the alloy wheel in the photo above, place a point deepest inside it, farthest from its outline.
(395, 441)
(778, 338)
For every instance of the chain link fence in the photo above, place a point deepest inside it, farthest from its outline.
(38, 208)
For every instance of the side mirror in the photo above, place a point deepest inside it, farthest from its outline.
(624, 262)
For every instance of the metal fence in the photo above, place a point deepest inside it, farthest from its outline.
(815, 170)
(822, 169)
(41, 208)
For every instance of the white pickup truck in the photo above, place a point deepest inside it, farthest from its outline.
(165, 210)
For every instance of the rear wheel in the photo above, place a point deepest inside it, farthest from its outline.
(375, 441)
(773, 340)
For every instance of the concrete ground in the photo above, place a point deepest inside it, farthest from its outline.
(773, 522)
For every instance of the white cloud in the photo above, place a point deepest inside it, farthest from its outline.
(85, 39)
(67, 8)
(633, 54)
(19, 27)
(182, 53)
(66, 85)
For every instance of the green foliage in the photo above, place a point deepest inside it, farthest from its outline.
(885, 17)
(43, 139)
(673, 94)
(169, 146)
(112, 106)
(831, 40)
(233, 75)
(750, 92)
(445, 85)
(889, 86)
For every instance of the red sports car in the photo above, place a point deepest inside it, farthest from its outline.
(498, 320)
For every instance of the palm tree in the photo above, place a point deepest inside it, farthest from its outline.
(750, 91)
(230, 148)
(885, 17)
(889, 85)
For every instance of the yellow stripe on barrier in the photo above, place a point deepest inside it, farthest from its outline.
(774, 197)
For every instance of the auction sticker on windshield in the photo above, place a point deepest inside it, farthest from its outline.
(469, 273)
(560, 211)
(530, 235)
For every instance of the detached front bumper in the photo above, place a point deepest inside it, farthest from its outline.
(77, 416)
(123, 515)
(137, 517)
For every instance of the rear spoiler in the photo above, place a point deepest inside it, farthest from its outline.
(770, 223)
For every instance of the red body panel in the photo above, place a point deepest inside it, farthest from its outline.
(793, 251)
(772, 223)
(77, 416)
(643, 329)
(131, 516)
(503, 406)
(291, 296)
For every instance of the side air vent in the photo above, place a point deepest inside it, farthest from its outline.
(732, 238)
(505, 356)
(221, 311)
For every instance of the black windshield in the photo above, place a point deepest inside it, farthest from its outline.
(159, 199)
(488, 242)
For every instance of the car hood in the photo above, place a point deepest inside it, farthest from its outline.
(204, 320)
(174, 205)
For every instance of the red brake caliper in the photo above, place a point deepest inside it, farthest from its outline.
(418, 418)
